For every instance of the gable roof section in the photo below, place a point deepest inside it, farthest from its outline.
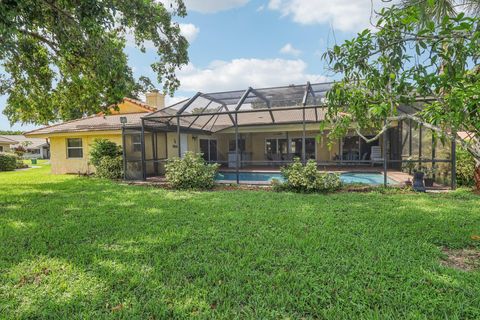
(139, 107)
(4, 139)
(34, 143)
(141, 104)
(92, 123)
(98, 122)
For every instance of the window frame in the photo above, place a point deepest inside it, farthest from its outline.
(242, 143)
(289, 144)
(75, 148)
(137, 144)
(209, 146)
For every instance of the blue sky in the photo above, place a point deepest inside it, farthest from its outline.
(239, 43)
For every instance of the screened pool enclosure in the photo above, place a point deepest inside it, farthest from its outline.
(265, 128)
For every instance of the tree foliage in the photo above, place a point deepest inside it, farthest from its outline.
(432, 66)
(61, 59)
(10, 132)
(434, 10)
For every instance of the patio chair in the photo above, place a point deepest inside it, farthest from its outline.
(376, 155)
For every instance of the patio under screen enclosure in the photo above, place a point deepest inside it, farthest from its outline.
(266, 128)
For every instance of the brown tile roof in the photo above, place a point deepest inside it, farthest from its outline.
(202, 122)
(34, 143)
(92, 123)
(141, 104)
(97, 122)
(4, 139)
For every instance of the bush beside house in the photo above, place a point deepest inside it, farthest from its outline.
(106, 157)
(8, 162)
(110, 168)
(465, 168)
(191, 172)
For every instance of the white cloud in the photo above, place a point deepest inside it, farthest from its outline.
(291, 50)
(212, 6)
(172, 100)
(344, 15)
(189, 31)
(242, 73)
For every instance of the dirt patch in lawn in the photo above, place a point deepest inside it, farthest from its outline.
(462, 259)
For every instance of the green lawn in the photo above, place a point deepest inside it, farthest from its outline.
(73, 247)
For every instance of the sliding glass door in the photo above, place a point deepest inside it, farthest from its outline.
(208, 148)
(278, 148)
(354, 148)
(310, 148)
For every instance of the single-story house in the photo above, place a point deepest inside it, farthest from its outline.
(6, 143)
(70, 141)
(243, 130)
(35, 147)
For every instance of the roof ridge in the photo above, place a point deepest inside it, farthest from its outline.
(140, 103)
(4, 136)
(135, 101)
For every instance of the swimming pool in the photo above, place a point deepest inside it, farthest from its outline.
(374, 178)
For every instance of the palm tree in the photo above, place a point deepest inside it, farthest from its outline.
(437, 9)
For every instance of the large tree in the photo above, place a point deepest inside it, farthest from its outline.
(403, 60)
(61, 59)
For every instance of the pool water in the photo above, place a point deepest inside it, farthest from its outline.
(266, 177)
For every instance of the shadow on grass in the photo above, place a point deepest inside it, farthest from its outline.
(139, 251)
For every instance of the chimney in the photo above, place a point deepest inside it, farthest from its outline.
(155, 99)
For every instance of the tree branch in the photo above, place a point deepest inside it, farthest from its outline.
(41, 38)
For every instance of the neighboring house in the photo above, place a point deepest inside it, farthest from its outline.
(70, 141)
(6, 143)
(36, 147)
(262, 128)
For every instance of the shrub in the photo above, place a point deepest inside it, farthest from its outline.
(103, 148)
(307, 178)
(20, 151)
(106, 157)
(110, 168)
(8, 162)
(21, 165)
(465, 168)
(190, 172)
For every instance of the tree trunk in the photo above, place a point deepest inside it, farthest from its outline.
(477, 176)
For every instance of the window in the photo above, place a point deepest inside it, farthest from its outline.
(241, 145)
(276, 146)
(74, 148)
(1, 148)
(310, 146)
(208, 148)
(137, 143)
(271, 146)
